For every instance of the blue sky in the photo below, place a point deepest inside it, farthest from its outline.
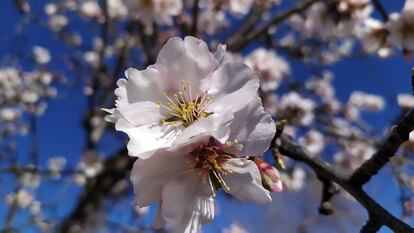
(61, 133)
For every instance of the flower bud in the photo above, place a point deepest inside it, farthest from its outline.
(270, 176)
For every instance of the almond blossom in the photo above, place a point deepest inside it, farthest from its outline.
(186, 181)
(401, 29)
(269, 66)
(185, 96)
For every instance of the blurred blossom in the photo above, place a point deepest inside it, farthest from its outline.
(92, 58)
(50, 8)
(405, 101)
(58, 22)
(141, 210)
(270, 67)
(30, 179)
(368, 102)
(374, 37)
(294, 180)
(270, 104)
(90, 8)
(116, 8)
(79, 179)
(41, 55)
(313, 141)
(8, 114)
(401, 28)
(235, 228)
(159, 11)
(35, 207)
(296, 109)
(22, 199)
(352, 155)
(91, 164)
(212, 20)
(56, 165)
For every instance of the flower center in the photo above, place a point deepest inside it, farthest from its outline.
(210, 159)
(183, 107)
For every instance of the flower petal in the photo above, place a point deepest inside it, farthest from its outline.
(215, 125)
(189, 60)
(245, 182)
(187, 202)
(140, 113)
(233, 87)
(253, 128)
(149, 176)
(141, 85)
(145, 140)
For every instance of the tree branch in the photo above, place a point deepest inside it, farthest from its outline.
(387, 149)
(380, 8)
(241, 41)
(289, 148)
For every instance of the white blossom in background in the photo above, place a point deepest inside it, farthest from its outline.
(352, 155)
(158, 11)
(90, 164)
(41, 55)
(56, 165)
(314, 141)
(367, 102)
(405, 101)
(117, 8)
(294, 180)
(270, 104)
(30, 179)
(185, 96)
(212, 20)
(296, 109)
(235, 228)
(22, 199)
(270, 67)
(9, 114)
(90, 9)
(400, 26)
(373, 35)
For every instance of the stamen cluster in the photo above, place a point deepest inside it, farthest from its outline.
(184, 109)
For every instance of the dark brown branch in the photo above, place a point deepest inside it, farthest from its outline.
(328, 191)
(289, 148)
(196, 10)
(372, 225)
(243, 40)
(115, 169)
(387, 149)
(380, 8)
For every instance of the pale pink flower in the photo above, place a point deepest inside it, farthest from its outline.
(186, 96)
(235, 228)
(296, 109)
(405, 101)
(401, 27)
(313, 141)
(294, 180)
(270, 67)
(365, 101)
(158, 11)
(186, 181)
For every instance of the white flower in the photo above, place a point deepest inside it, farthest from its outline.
(159, 11)
(269, 66)
(184, 97)
(8, 114)
(373, 35)
(405, 101)
(90, 8)
(295, 180)
(296, 109)
(56, 165)
(235, 228)
(352, 155)
(368, 102)
(41, 55)
(313, 141)
(21, 199)
(401, 28)
(186, 181)
(240, 6)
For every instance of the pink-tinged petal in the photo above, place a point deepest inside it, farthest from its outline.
(149, 176)
(159, 222)
(245, 182)
(141, 85)
(187, 202)
(253, 128)
(145, 140)
(215, 125)
(233, 86)
(188, 60)
(140, 113)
